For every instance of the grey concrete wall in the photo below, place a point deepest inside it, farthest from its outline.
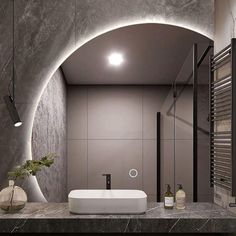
(112, 129)
(225, 29)
(49, 136)
(47, 32)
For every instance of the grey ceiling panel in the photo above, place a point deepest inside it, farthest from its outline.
(153, 54)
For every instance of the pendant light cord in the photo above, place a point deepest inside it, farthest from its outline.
(11, 85)
(13, 53)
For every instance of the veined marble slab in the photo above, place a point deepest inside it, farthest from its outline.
(55, 217)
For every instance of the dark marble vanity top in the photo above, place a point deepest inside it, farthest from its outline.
(55, 217)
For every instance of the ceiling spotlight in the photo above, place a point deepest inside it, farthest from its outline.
(115, 59)
(12, 111)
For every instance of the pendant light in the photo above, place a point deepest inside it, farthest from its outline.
(10, 99)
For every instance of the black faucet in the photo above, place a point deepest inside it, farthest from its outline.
(108, 180)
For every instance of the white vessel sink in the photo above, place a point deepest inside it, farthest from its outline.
(113, 201)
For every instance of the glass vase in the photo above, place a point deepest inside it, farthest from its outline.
(12, 198)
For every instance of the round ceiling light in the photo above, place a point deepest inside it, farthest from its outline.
(115, 59)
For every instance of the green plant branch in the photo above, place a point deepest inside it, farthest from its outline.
(31, 167)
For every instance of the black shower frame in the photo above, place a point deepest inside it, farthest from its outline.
(196, 64)
(194, 74)
(158, 153)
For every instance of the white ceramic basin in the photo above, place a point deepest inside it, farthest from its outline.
(113, 201)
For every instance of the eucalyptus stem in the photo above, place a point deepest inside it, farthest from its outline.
(31, 167)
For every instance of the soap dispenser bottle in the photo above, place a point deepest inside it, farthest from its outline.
(180, 198)
(168, 199)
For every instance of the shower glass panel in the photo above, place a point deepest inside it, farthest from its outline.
(205, 192)
(183, 129)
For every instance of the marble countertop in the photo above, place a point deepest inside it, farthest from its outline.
(55, 217)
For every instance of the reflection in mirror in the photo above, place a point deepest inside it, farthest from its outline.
(103, 118)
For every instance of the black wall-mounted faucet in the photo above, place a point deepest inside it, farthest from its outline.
(108, 180)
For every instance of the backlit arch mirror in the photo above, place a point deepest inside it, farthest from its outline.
(100, 110)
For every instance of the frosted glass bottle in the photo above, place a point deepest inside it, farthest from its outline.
(12, 198)
(180, 198)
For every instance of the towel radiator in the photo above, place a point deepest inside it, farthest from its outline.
(222, 116)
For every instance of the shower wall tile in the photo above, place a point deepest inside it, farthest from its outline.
(167, 117)
(156, 99)
(184, 114)
(151, 198)
(203, 111)
(167, 165)
(204, 164)
(77, 164)
(149, 166)
(189, 197)
(77, 112)
(206, 197)
(184, 165)
(114, 157)
(114, 112)
(122, 128)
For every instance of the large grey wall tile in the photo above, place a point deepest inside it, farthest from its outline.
(77, 164)
(206, 197)
(167, 165)
(167, 117)
(189, 197)
(184, 114)
(204, 167)
(114, 112)
(203, 111)
(151, 198)
(116, 157)
(77, 110)
(154, 98)
(184, 165)
(149, 166)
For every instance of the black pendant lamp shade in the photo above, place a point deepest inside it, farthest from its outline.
(12, 111)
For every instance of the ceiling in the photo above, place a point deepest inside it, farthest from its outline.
(153, 54)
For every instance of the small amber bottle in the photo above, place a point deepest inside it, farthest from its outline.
(168, 199)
